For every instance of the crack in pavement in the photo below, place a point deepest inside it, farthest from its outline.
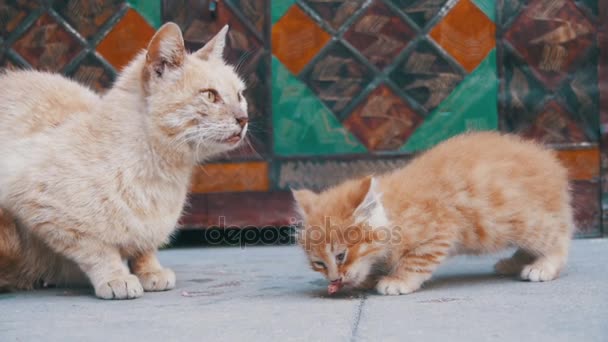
(358, 318)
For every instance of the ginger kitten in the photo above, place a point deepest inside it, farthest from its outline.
(88, 181)
(475, 193)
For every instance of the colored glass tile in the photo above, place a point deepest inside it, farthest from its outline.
(296, 39)
(87, 17)
(580, 92)
(471, 106)
(426, 76)
(582, 164)
(379, 34)
(337, 77)
(278, 9)
(46, 45)
(126, 39)
(335, 12)
(302, 125)
(383, 121)
(230, 177)
(149, 10)
(13, 12)
(93, 73)
(552, 37)
(521, 92)
(488, 7)
(553, 125)
(254, 11)
(466, 34)
(420, 11)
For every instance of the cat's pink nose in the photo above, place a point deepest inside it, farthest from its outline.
(242, 121)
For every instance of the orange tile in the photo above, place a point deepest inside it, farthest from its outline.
(231, 177)
(466, 33)
(581, 164)
(130, 35)
(296, 39)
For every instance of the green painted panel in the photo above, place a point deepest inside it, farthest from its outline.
(278, 8)
(488, 7)
(302, 124)
(149, 9)
(471, 106)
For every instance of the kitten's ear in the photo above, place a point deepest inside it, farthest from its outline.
(304, 201)
(166, 51)
(370, 209)
(215, 47)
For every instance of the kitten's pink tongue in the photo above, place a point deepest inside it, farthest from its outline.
(334, 287)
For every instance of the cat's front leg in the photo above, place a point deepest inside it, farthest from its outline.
(414, 268)
(152, 275)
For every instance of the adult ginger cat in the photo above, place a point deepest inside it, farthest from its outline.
(472, 194)
(88, 181)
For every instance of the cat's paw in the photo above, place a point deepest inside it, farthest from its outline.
(162, 280)
(126, 287)
(541, 270)
(393, 287)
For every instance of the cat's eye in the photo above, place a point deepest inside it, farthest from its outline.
(340, 257)
(319, 264)
(211, 95)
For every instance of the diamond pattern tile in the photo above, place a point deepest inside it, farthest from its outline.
(383, 121)
(552, 35)
(46, 45)
(149, 10)
(12, 13)
(426, 75)
(470, 106)
(254, 11)
(296, 39)
(91, 72)
(553, 125)
(334, 12)
(87, 17)
(337, 77)
(126, 39)
(302, 124)
(420, 11)
(379, 34)
(466, 33)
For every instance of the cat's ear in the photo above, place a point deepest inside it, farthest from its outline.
(214, 47)
(304, 201)
(370, 208)
(166, 51)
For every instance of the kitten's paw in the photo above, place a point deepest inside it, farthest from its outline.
(162, 280)
(508, 267)
(127, 287)
(393, 287)
(541, 270)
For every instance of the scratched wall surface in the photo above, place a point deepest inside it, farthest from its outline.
(345, 87)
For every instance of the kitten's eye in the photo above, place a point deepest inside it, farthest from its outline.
(211, 95)
(340, 257)
(319, 264)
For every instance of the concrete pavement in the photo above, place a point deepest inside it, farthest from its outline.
(269, 294)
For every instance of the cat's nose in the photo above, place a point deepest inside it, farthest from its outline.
(336, 281)
(242, 120)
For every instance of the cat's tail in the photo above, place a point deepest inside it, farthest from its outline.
(10, 251)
